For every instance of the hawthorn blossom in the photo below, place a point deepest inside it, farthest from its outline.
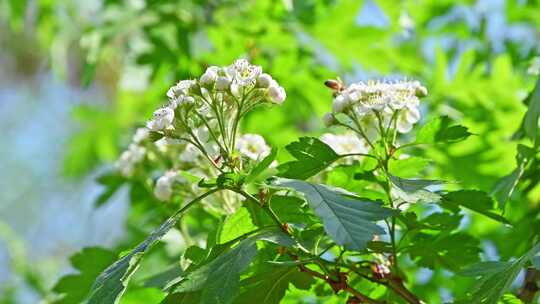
(161, 120)
(252, 146)
(381, 102)
(346, 143)
(129, 159)
(164, 185)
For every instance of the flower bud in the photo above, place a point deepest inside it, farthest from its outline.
(340, 104)
(222, 83)
(210, 76)
(329, 119)
(264, 80)
(277, 94)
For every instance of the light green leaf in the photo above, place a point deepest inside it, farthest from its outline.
(236, 225)
(505, 186)
(439, 130)
(312, 156)
(261, 166)
(349, 221)
(530, 121)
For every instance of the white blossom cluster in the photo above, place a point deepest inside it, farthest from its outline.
(346, 143)
(198, 128)
(133, 155)
(394, 104)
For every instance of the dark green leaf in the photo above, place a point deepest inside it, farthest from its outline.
(271, 286)
(474, 200)
(414, 190)
(349, 221)
(497, 277)
(312, 156)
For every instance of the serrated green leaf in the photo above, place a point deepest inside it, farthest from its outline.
(438, 130)
(312, 156)
(261, 166)
(235, 225)
(474, 200)
(349, 221)
(219, 280)
(451, 251)
(414, 190)
(112, 282)
(271, 286)
(89, 262)
(496, 278)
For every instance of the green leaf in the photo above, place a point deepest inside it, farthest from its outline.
(312, 156)
(219, 279)
(530, 121)
(112, 282)
(184, 298)
(439, 130)
(413, 190)
(236, 225)
(143, 295)
(505, 186)
(451, 251)
(497, 277)
(474, 200)
(349, 221)
(89, 262)
(407, 167)
(270, 287)
(261, 166)
(112, 182)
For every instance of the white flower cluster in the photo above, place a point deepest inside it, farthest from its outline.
(164, 185)
(199, 128)
(237, 87)
(396, 103)
(133, 155)
(252, 146)
(346, 143)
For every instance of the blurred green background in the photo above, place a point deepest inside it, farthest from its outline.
(77, 77)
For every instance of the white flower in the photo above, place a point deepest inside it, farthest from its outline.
(264, 80)
(276, 93)
(253, 146)
(163, 189)
(340, 103)
(180, 89)
(210, 76)
(329, 119)
(223, 82)
(243, 72)
(406, 118)
(161, 120)
(347, 143)
(140, 135)
(129, 158)
(190, 154)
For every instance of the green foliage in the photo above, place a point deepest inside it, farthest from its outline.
(439, 130)
(312, 156)
(474, 200)
(89, 263)
(496, 277)
(348, 220)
